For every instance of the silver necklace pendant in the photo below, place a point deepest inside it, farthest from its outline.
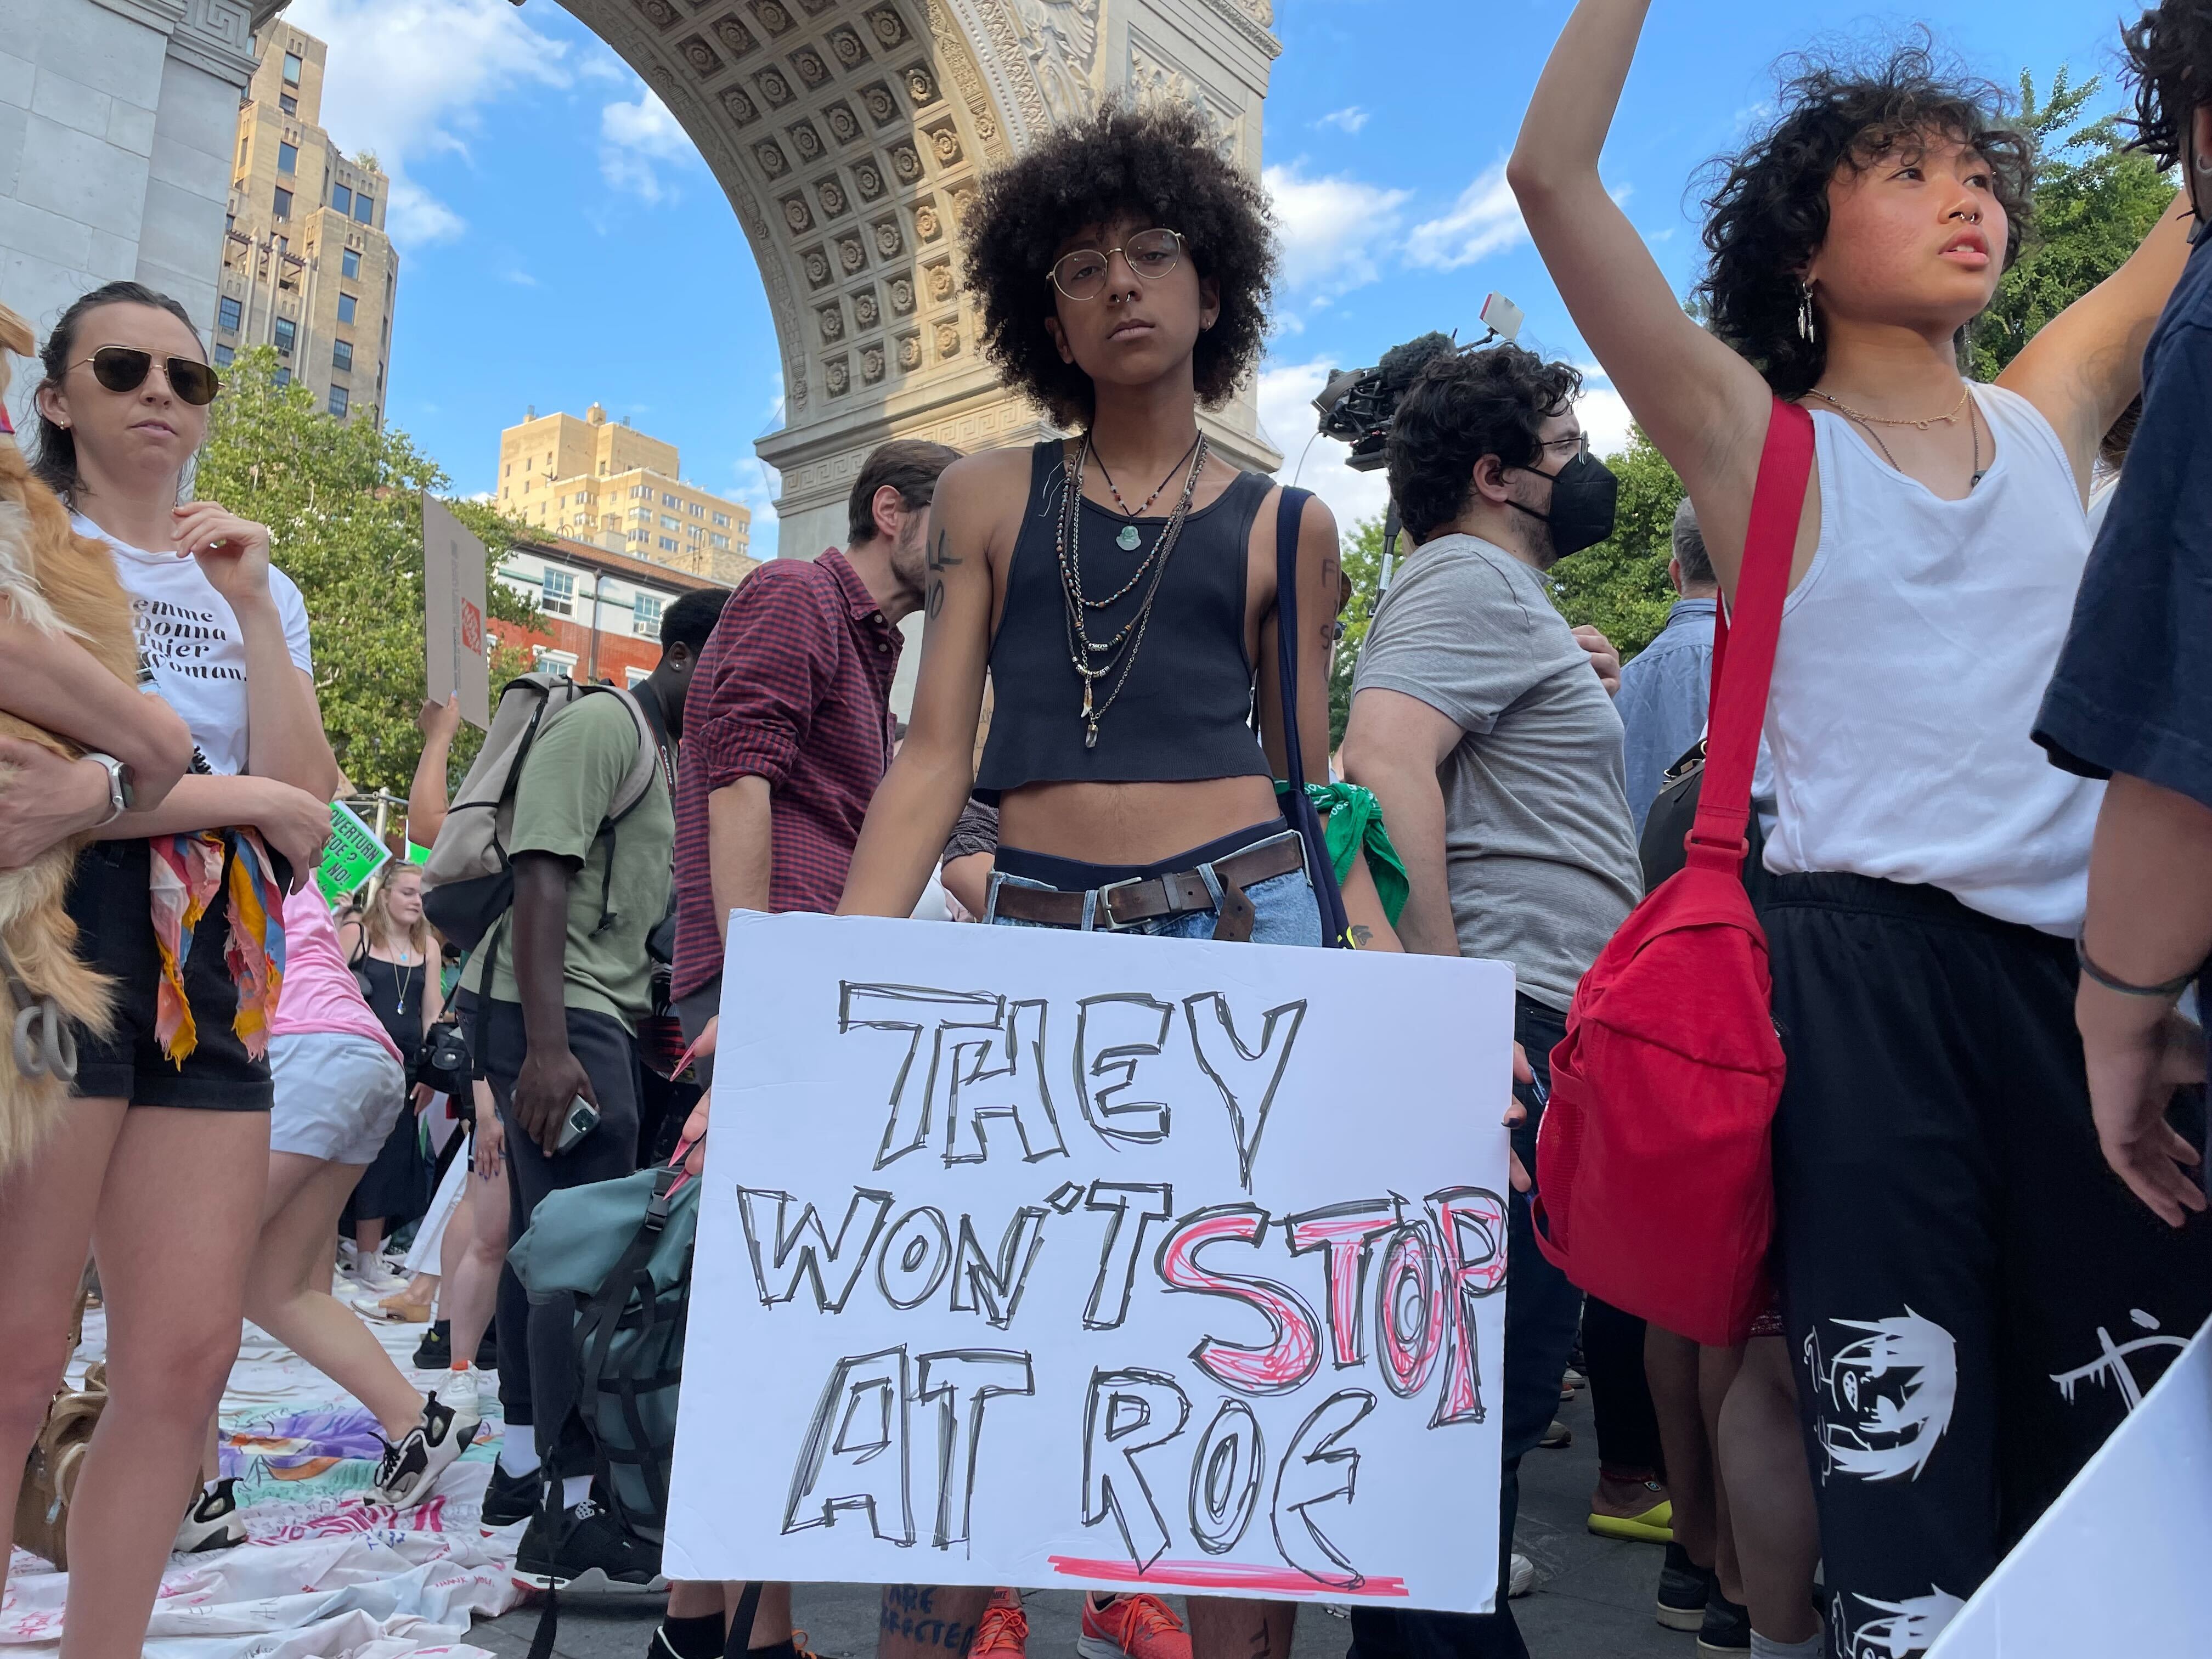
(1127, 540)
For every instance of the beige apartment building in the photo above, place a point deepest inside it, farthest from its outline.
(306, 267)
(605, 483)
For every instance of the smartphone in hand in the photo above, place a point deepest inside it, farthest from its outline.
(582, 1118)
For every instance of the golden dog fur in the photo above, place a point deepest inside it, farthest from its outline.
(60, 583)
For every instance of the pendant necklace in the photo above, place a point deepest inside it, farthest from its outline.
(1097, 660)
(1130, 538)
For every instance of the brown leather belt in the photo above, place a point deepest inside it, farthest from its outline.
(1125, 904)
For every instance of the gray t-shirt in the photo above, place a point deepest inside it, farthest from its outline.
(1537, 839)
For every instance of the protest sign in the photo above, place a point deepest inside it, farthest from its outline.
(2117, 1565)
(1044, 1258)
(454, 646)
(352, 855)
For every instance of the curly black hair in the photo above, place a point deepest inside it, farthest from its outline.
(2170, 61)
(1768, 211)
(1463, 406)
(1161, 162)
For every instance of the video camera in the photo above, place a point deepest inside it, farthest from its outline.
(1358, 406)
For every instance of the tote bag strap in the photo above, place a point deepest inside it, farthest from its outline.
(1744, 640)
(1297, 810)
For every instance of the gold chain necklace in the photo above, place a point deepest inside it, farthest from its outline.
(1122, 647)
(1951, 419)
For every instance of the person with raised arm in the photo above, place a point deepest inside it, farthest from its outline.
(1948, 1245)
(178, 901)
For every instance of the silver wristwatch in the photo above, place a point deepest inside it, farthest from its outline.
(122, 791)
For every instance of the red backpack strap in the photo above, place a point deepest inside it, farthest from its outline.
(1740, 674)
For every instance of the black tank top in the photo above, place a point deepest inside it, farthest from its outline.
(395, 996)
(1185, 712)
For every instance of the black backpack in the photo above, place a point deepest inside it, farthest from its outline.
(1666, 827)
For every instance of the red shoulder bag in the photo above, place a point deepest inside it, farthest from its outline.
(1654, 1172)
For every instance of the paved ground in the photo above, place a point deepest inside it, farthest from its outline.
(1593, 1601)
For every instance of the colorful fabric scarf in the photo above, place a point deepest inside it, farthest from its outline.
(188, 871)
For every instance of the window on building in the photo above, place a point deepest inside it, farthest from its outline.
(291, 69)
(667, 523)
(244, 140)
(634, 678)
(287, 332)
(341, 199)
(228, 313)
(645, 615)
(283, 377)
(347, 306)
(223, 354)
(640, 537)
(342, 354)
(364, 207)
(667, 544)
(560, 592)
(721, 521)
(287, 103)
(667, 500)
(695, 509)
(557, 662)
(349, 262)
(283, 203)
(339, 397)
(288, 157)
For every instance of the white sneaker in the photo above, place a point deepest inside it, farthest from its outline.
(1521, 1578)
(411, 1465)
(213, 1522)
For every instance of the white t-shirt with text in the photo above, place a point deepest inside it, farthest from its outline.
(190, 647)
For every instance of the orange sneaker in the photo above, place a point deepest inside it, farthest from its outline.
(1004, 1628)
(1131, 1627)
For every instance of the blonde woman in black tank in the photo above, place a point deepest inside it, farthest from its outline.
(1121, 268)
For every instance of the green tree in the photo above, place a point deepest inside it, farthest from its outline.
(1621, 586)
(1361, 554)
(2095, 201)
(344, 504)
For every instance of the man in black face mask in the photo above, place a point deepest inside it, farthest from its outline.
(1496, 755)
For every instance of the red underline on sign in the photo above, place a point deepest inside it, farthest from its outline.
(1218, 1575)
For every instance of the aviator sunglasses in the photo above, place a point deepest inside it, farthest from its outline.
(1150, 253)
(125, 369)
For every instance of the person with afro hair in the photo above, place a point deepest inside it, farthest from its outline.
(1945, 1242)
(1118, 587)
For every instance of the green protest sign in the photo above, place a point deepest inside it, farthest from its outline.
(353, 856)
(417, 855)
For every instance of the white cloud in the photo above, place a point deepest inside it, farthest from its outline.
(407, 78)
(634, 138)
(1332, 229)
(1605, 416)
(1485, 220)
(1288, 418)
(520, 277)
(1347, 120)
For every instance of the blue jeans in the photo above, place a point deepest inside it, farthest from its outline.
(1284, 911)
(1542, 1311)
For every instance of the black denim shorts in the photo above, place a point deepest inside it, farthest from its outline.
(109, 900)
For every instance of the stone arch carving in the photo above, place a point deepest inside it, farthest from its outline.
(849, 135)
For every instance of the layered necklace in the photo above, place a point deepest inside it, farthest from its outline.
(1095, 659)
(1128, 540)
(1949, 418)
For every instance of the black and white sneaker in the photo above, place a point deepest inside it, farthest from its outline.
(213, 1522)
(586, 1549)
(1725, 1631)
(1684, 1589)
(412, 1464)
(510, 1497)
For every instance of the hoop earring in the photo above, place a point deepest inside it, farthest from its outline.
(1806, 322)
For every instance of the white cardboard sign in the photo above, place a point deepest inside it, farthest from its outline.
(1040, 1258)
(455, 648)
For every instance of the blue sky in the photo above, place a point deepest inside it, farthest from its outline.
(562, 241)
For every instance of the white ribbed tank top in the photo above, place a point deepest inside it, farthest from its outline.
(1913, 658)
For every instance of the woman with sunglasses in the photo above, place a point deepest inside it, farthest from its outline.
(1949, 1247)
(158, 1167)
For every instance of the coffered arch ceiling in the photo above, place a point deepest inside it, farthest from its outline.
(849, 135)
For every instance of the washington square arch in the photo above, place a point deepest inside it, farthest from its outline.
(848, 135)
